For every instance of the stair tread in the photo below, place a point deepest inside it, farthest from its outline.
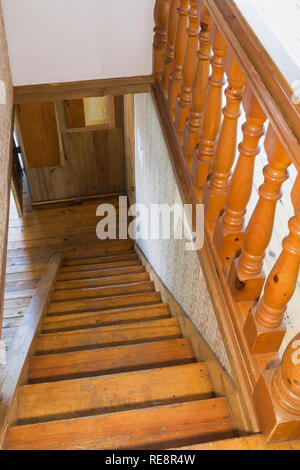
(110, 360)
(99, 273)
(104, 318)
(82, 305)
(108, 336)
(103, 281)
(130, 254)
(103, 291)
(148, 428)
(108, 393)
(98, 266)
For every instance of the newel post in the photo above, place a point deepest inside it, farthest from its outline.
(161, 12)
(277, 396)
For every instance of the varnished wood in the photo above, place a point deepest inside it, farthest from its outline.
(82, 89)
(264, 327)
(39, 131)
(94, 159)
(161, 13)
(229, 232)
(192, 128)
(88, 396)
(179, 50)
(168, 59)
(95, 362)
(106, 318)
(94, 338)
(277, 396)
(247, 277)
(186, 422)
(189, 66)
(204, 155)
(216, 193)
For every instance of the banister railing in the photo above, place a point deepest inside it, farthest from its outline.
(195, 54)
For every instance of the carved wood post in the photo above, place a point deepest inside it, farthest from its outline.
(175, 81)
(211, 121)
(229, 233)
(189, 65)
(264, 329)
(168, 61)
(192, 128)
(215, 195)
(246, 277)
(277, 396)
(161, 11)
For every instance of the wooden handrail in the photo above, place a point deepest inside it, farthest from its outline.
(203, 163)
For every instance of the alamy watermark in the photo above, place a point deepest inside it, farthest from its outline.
(153, 222)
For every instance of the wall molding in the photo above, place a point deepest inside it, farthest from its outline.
(82, 89)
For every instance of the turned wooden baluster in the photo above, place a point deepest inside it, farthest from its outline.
(211, 121)
(264, 329)
(168, 60)
(215, 194)
(277, 396)
(229, 232)
(176, 77)
(246, 277)
(189, 65)
(192, 128)
(161, 12)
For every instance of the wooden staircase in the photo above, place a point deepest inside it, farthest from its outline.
(111, 369)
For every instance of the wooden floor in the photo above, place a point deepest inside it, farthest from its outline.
(67, 227)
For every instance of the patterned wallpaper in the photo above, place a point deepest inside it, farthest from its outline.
(6, 98)
(179, 269)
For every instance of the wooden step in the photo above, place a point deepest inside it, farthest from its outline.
(77, 275)
(88, 305)
(104, 265)
(256, 442)
(107, 336)
(110, 393)
(99, 282)
(110, 360)
(148, 428)
(106, 318)
(101, 292)
(131, 255)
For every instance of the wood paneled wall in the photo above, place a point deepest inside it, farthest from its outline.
(94, 164)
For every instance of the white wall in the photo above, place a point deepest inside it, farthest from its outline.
(69, 40)
(276, 23)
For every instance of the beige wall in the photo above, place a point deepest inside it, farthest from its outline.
(178, 268)
(6, 100)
